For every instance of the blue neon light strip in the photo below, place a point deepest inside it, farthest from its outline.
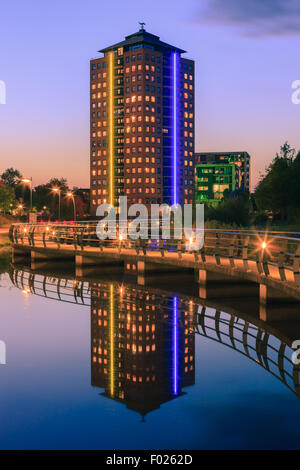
(175, 340)
(175, 128)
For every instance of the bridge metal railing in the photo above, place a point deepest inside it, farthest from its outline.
(238, 247)
(252, 341)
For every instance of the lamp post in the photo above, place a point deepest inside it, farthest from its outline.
(29, 182)
(57, 191)
(71, 195)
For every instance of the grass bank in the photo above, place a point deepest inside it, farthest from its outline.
(4, 265)
(5, 250)
(6, 220)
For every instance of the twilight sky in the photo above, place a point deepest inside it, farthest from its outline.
(246, 53)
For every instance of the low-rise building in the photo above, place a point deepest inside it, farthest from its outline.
(217, 172)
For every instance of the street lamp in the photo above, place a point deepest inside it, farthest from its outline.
(28, 181)
(71, 195)
(20, 207)
(57, 191)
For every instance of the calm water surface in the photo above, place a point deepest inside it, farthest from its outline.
(105, 364)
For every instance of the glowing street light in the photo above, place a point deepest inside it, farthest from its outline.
(58, 192)
(29, 182)
(71, 196)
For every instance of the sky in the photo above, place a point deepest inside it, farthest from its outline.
(246, 55)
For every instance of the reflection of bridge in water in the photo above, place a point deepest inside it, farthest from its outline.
(142, 338)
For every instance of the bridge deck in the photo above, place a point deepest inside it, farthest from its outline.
(220, 264)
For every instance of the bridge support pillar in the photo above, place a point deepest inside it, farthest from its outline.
(15, 254)
(223, 285)
(37, 258)
(137, 268)
(276, 305)
(81, 262)
(203, 276)
(79, 271)
(141, 269)
(269, 295)
(288, 312)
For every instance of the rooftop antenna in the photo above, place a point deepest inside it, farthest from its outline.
(142, 26)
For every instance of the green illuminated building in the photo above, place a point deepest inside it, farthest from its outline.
(216, 172)
(211, 180)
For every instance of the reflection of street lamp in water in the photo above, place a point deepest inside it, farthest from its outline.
(57, 191)
(71, 195)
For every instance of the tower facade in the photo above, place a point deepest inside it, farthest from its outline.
(142, 123)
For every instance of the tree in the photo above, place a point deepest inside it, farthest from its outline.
(233, 209)
(7, 197)
(80, 206)
(11, 177)
(44, 196)
(294, 182)
(61, 183)
(286, 152)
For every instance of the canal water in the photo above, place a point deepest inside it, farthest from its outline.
(102, 363)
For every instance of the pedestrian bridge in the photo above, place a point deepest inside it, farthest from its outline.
(268, 259)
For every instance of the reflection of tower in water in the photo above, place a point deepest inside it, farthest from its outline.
(142, 345)
(269, 347)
